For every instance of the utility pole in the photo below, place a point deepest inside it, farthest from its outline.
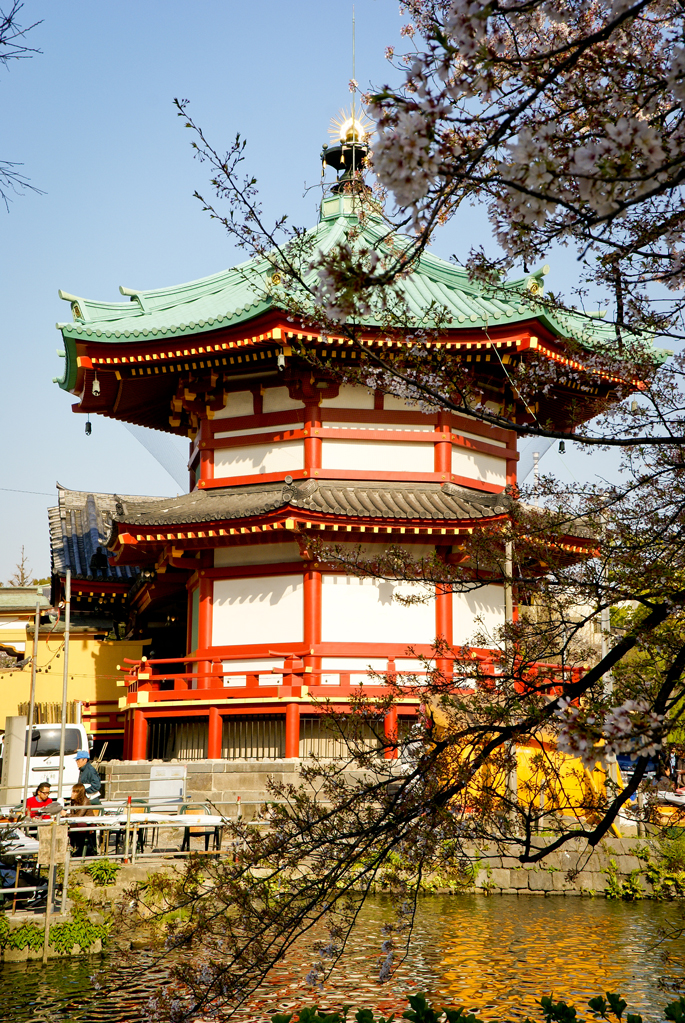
(65, 681)
(32, 704)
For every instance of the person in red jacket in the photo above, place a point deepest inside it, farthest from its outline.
(39, 800)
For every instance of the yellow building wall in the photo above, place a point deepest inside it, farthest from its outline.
(92, 674)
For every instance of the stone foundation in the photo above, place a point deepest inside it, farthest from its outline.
(217, 781)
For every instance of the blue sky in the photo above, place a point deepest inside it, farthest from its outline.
(91, 118)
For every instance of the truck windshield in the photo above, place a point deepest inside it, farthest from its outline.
(45, 741)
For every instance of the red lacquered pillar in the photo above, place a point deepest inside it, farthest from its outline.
(204, 629)
(443, 448)
(139, 742)
(292, 730)
(206, 451)
(390, 727)
(312, 440)
(215, 734)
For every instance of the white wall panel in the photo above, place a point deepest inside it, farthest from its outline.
(256, 554)
(386, 456)
(486, 603)
(473, 464)
(260, 667)
(364, 611)
(277, 399)
(259, 429)
(267, 610)
(391, 402)
(259, 458)
(239, 403)
(350, 396)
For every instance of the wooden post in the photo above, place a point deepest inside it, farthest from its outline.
(292, 731)
(390, 728)
(442, 462)
(215, 734)
(139, 743)
(204, 629)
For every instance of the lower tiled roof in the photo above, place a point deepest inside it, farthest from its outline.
(341, 498)
(79, 525)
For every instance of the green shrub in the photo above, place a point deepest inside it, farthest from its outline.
(421, 1011)
(672, 851)
(103, 872)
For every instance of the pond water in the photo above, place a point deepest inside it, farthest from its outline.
(497, 955)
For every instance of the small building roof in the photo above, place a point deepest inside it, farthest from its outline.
(21, 599)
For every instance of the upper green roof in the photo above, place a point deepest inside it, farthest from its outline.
(238, 295)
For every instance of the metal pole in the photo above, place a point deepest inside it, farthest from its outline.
(65, 682)
(32, 704)
(51, 887)
(65, 880)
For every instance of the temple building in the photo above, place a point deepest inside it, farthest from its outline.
(244, 630)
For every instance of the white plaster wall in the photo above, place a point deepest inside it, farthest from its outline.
(369, 455)
(277, 399)
(266, 610)
(261, 667)
(259, 429)
(350, 396)
(477, 466)
(486, 603)
(259, 458)
(239, 403)
(364, 611)
(256, 554)
(390, 427)
(391, 402)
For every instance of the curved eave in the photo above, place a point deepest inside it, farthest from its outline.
(77, 333)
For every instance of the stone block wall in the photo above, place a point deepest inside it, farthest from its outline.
(217, 781)
(573, 870)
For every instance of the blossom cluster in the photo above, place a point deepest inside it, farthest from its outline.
(564, 116)
(631, 727)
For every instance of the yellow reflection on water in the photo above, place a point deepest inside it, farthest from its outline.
(502, 953)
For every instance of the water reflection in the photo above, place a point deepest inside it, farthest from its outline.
(497, 955)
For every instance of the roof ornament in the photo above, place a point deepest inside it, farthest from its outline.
(349, 133)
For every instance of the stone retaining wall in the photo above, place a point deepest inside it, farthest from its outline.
(573, 870)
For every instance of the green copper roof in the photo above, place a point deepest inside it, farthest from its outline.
(241, 294)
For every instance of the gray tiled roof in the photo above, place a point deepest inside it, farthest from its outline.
(341, 498)
(79, 525)
(22, 598)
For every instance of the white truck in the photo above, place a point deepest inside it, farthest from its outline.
(44, 756)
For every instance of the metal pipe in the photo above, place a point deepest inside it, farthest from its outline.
(65, 682)
(32, 705)
(51, 887)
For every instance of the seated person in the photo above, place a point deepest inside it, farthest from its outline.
(82, 843)
(40, 803)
